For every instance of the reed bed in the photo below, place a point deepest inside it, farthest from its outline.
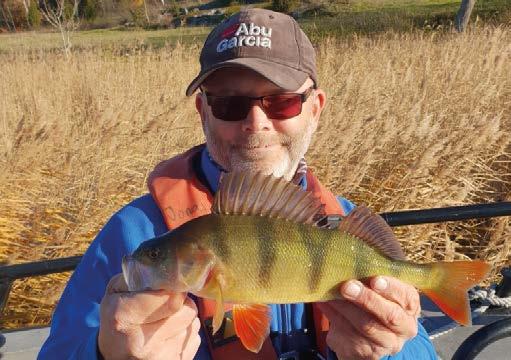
(413, 120)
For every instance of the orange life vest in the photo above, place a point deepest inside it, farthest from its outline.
(181, 197)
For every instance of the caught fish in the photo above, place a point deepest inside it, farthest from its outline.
(262, 244)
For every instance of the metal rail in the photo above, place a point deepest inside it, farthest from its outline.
(38, 268)
(453, 213)
(10, 273)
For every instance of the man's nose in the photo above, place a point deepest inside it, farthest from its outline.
(256, 119)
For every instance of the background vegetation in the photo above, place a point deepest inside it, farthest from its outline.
(345, 16)
(415, 119)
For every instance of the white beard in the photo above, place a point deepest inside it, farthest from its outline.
(231, 156)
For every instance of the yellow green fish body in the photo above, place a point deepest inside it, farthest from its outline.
(267, 260)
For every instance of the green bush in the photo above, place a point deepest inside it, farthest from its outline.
(173, 9)
(34, 15)
(231, 10)
(138, 16)
(284, 6)
(68, 12)
(90, 9)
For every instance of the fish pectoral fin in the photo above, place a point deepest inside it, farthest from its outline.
(218, 318)
(252, 324)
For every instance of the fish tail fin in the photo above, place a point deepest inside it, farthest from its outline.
(454, 280)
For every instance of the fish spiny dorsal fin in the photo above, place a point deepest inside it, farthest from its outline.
(373, 230)
(251, 193)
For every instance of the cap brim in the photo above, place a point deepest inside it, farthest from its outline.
(283, 76)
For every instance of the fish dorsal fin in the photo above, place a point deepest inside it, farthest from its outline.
(373, 230)
(252, 193)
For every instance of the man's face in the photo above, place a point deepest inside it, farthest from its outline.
(257, 142)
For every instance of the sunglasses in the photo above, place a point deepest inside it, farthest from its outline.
(236, 108)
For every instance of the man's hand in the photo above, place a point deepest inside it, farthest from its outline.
(373, 321)
(147, 324)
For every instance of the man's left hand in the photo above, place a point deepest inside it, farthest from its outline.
(374, 320)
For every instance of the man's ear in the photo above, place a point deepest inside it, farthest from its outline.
(199, 105)
(318, 104)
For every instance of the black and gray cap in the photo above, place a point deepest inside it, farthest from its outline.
(268, 42)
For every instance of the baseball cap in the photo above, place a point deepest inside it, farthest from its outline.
(267, 42)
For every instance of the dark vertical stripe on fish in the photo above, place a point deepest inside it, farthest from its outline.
(220, 237)
(317, 247)
(396, 268)
(266, 244)
(359, 260)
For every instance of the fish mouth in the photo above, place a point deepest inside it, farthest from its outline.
(138, 277)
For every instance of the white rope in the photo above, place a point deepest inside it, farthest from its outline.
(487, 296)
(444, 330)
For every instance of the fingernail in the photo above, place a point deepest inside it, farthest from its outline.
(352, 290)
(380, 284)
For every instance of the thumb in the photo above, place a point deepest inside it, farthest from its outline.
(142, 306)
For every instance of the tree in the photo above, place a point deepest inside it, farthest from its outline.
(13, 14)
(33, 16)
(88, 9)
(5, 19)
(284, 6)
(138, 12)
(62, 15)
(463, 15)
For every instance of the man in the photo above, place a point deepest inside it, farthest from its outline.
(259, 103)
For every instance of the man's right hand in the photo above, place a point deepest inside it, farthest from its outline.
(147, 325)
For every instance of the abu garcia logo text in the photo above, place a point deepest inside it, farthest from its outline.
(251, 35)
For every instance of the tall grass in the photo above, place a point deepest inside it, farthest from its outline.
(413, 121)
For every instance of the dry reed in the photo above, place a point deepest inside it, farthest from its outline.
(413, 121)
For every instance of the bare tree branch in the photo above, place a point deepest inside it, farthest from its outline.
(10, 16)
(7, 22)
(66, 23)
(26, 5)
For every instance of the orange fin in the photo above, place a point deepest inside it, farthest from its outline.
(451, 293)
(252, 324)
(252, 193)
(373, 230)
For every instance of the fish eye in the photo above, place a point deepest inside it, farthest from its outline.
(153, 254)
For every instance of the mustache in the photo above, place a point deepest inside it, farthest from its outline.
(258, 140)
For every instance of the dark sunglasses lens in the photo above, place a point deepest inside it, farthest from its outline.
(282, 107)
(230, 108)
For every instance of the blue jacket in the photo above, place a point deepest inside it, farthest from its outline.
(75, 323)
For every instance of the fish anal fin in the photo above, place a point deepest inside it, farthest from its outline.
(373, 230)
(253, 193)
(252, 324)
